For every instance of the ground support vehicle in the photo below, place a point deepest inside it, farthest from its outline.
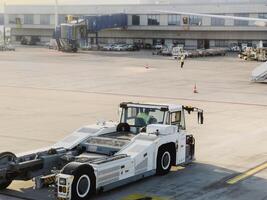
(148, 140)
(166, 51)
(258, 54)
(7, 48)
(108, 47)
(121, 47)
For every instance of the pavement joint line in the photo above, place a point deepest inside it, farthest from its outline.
(176, 168)
(138, 96)
(247, 174)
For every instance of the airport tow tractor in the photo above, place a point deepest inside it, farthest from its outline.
(148, 140)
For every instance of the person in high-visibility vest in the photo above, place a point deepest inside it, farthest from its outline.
(182, 60)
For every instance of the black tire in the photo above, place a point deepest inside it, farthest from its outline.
(84, 183)
(164, 161)
(5, 158)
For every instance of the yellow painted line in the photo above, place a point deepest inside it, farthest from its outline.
(142, 196)
(247, 174)
(176, 168)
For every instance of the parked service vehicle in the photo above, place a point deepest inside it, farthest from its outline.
(158, 46)
(7, 47)
(120, 47)
(132, 47)
(52, 44)
(235, 49)
(157, 49)
(166, 51)
(148, 140)
(108, 47)
(148, 46)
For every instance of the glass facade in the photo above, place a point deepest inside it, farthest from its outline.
(135, 20)
(45, 19)
(241, 22)
(221, 43)
(217, 22)
(12, 19)
(174, 20)
(195, 20)
(62, 19)
(263, 15)
(2, 19)
(153, 20)
(28, 19)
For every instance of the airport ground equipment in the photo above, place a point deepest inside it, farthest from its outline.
(7, 47)
(260, 73)
(147, 140)
(76, 31)
(258, 54)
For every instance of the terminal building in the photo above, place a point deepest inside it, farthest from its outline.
(147, 24)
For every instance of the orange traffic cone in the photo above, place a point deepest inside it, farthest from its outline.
(195, 89)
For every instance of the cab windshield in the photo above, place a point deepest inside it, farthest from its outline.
(141, 117)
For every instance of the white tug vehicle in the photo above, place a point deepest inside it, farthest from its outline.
(147, 140)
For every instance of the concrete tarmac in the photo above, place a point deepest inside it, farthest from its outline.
(45, 95)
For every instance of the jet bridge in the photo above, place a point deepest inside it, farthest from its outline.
(70, 35)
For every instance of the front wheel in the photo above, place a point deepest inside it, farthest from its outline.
(163, 161)
(84, 183)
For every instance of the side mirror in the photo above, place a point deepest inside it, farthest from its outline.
(200, 118)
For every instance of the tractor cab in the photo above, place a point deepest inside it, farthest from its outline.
(136, 117)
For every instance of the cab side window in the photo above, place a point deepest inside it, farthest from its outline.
(177, 119)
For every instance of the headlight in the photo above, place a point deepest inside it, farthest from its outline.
(62, 181)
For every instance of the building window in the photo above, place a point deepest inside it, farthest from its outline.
(263, 15)
(2, 19)
(241, 22)
(247, 43)
(135, 20)
(217, 22)
(18, 38)
(62, 19)
(12, 19)
(179, 43)
(174, 20)
(28, 19)
(45, 19)
(221, 43)
(195, 20)
(153, 20)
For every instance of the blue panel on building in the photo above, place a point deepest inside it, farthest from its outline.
(97, 23)
(57, 33)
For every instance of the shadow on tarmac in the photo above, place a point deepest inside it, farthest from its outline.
(196, 181)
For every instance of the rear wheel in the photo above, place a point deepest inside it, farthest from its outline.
(83, 185)
(6, 158)
(164, 161)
